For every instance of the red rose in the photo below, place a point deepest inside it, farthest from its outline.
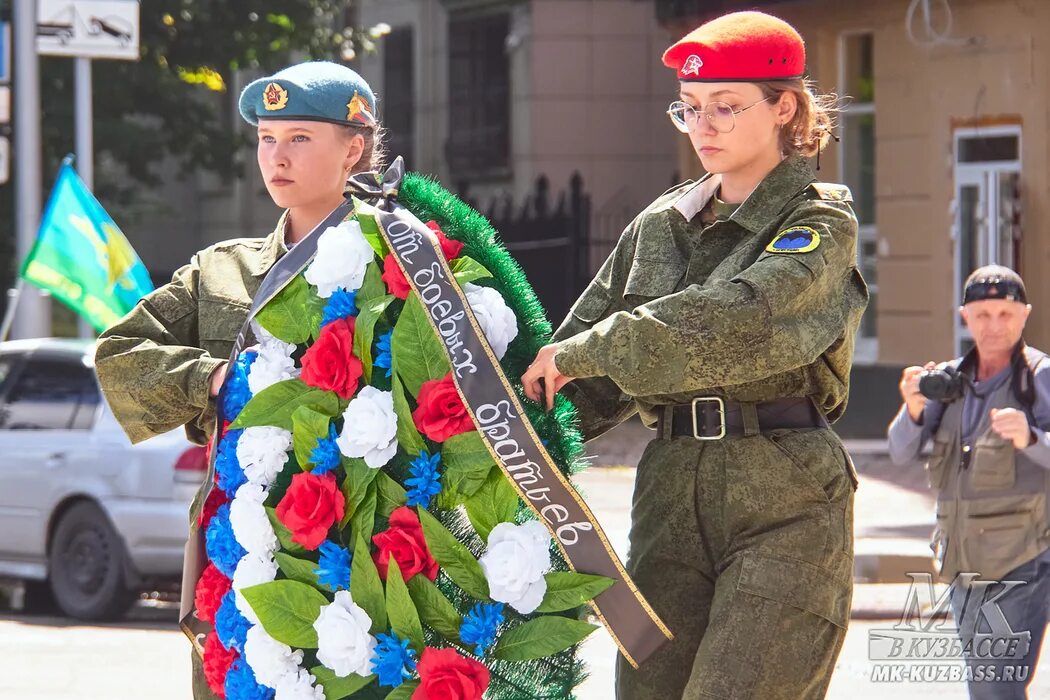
(449, 247)
(216, 498)
(395, 280)
(310, 507)
(330, 363)
(207, 597)
(446, 675)
(404, 541)
(217, 662)
(441, 413)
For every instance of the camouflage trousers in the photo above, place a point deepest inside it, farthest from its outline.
(744, 546)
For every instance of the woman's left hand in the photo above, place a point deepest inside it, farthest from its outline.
(543, 367)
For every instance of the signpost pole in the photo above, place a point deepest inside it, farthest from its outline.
(85, 145)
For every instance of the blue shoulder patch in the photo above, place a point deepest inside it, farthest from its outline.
(797, 239)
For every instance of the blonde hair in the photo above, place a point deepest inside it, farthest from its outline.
(810, 129)
(373, 156)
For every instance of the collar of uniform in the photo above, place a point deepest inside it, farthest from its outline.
(766, 201)
(273, 246)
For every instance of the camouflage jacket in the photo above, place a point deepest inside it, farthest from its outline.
(155, 364)
(681, 310)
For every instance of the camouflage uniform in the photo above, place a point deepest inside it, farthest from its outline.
(155, 364)
(744, 545)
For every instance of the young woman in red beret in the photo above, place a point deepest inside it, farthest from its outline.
(726, 317)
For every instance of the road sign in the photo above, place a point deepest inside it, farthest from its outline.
(88, 28)
(5, 52)
(5, 160)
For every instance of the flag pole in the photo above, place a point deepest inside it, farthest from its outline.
(13, 295)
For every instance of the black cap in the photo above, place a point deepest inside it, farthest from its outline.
(994, 282)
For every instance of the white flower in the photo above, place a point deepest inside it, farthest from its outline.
(270, 660)
(299, 686)
(262, 452)
(343, 642)
(251, 526)
(252, 570)
(495, 317)
(272, 364)
(517, 558)
(341, 259)
(369, 428)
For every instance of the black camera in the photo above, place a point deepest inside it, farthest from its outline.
(944, 385)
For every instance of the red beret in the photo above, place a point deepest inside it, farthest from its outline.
(739, 47)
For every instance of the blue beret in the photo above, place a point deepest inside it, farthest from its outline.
(316, 90)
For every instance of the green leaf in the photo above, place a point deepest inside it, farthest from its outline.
(390, 495)
(403, 691)
(275, 404)
(355, 486)
(336, 688)
(404, 619)
(494, 503)
(315, 312)
(363, 521)
(364, 331)
(434, 608)
(407, 435)
(287, 610)
(301, 570)
(373, 286)
(419, 355)
(366, 588)
(284, 535)
(365, 215)
(466, 269)
(541, 637)
(454, 558)
(283, 316)
(567, 590)
(467, 462)
(308, 426)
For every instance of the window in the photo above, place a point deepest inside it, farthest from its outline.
(51, 394)
(399, 94)
(857, 165)
(479, 96)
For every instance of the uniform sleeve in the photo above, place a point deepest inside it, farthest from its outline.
(154, 377)
(600, 404)
(779, 314)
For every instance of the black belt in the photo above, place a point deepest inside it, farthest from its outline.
(713, 418)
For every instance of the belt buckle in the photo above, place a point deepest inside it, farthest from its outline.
(717, 400)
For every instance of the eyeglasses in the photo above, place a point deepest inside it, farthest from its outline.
(721, 116)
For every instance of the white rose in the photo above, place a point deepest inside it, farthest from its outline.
(496, 319)
(252, 570)
(370, 428)
(272, 364)
(343, 642)
(270, 660)
(251, 526)
(262, 452)
(517, 558)
(299, 686)
(341, 259)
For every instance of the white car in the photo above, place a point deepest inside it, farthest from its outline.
(87, 520)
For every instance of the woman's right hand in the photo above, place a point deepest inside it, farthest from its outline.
(909, 388)
(217, 378)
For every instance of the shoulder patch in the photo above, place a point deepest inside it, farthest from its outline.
(797, 239)
(832, 192)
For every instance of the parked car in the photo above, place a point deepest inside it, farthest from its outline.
(87, 520)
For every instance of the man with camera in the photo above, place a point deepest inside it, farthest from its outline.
(987, 414)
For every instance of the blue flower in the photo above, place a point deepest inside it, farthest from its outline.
(230, 624)
(235, 391)
(228, 473)
(334, 568)
(384, 359)
(223, 548)
(326, 455)
(425, 482)
(241, 683)
(394, 662)
(340, 305)
(479, 626)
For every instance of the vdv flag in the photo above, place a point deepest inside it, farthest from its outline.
(82, 258)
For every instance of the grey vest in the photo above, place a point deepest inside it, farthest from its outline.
(993, 503)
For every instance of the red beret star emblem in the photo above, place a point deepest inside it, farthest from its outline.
(692, 65)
